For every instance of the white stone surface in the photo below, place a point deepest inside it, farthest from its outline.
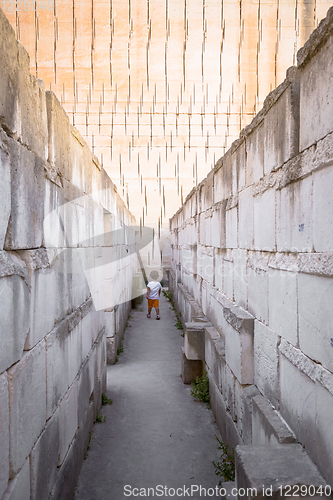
(4, 433)
(14, 312)
(316, 318)
(239, 354)
(246, 219)
(294, 217)
(86, 334)
(240, 277)
(27, 404)
(298, 404)
(277, 133)
(282, 290)
(43, 305)
(44, 459)
(5, 189)
(258, 294)
(86, 384)
(19, 487)
(316, 97)
(228, 388)
(323, 210)
(266, 362)
(324, 435)
(255, 155)
(218, 270)
(25, 229)
(228, 279)
(68, 420)
(231, 228)
(63, 357)
(264, 221)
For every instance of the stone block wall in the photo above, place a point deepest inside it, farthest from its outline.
(66, 269)
(252, 246)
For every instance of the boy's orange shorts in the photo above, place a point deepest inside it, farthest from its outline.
(153, 303)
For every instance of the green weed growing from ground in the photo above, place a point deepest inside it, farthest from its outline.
(200, 390)
(106, 400)
(225, 467)
(100, 418)
(120, 349)
(179, 325)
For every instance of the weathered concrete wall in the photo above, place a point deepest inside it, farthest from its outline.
(57, 206)
(252, 245)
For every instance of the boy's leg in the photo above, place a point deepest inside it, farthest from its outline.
(149, 308)
(157, 310)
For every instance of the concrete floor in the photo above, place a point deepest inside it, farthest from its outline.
(154, 433)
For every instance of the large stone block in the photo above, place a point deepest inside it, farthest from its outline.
(228, 278)
(14, 313)
(219, 226)
(258, 294)
(298, 396)
(215, 355)
(247, 395)
(61, 146)
(19, 487)
(246, 219)
(316, 317)
(71, 467)
(33, 130)
(191, 369)
(44, 299)
(266, 362)
(231, 223)
(208, 265)
(4, 433)
(238, 334)
(325, 432)
(86, 334)
(218, 407)
(44, 460)
(255, 155)
(68, 420)
(240, 277)
(323, 210)
(316, 96)
(27, 404)
(294, 217)
(5, 187)
(87, 380)
(194, 341)
(9, 75)
(267, 426)
(282, 286)
(63, 357)
(264, 221)
(277, 141)
(25, 228)
(275, 467)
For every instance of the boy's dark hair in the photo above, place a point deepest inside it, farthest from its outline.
(154, 275)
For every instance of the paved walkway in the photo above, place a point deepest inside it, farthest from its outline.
(154, 433)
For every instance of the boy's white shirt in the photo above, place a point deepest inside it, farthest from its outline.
(154, 287)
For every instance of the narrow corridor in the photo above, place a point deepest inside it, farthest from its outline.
(154, 432)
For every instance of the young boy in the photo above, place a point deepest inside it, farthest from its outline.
(153, 294)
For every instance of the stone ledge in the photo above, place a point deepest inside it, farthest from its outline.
(194, 340)
(274, 467)
(298, 359)
(267, 425)
(191, 369)
(238, 318)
